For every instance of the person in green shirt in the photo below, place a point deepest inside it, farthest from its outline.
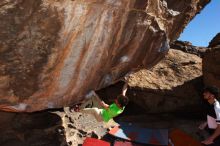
(107, 112)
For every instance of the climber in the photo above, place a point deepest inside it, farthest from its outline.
(210, 94)
(107, 112)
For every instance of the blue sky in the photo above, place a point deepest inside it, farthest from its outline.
(204, 26)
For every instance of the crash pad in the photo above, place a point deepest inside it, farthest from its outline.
(95, 142)
(121, 143)
(180, 138)
(140, 134)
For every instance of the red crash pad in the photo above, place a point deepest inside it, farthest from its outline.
(95, 142)
(120, 143)
(180, 138)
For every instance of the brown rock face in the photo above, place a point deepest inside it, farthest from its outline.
(211, 63)
(172, 85)
(52, 53)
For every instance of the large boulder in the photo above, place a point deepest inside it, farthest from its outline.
(53, 53)
(211, 63)
(173, 85)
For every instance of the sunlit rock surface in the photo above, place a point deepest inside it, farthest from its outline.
(172, 85)
(52, 53)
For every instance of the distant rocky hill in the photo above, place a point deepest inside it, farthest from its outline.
(188, 47)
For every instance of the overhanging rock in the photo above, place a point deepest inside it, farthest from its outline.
(52, 53)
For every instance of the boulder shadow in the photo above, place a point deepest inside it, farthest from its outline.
(31, 129)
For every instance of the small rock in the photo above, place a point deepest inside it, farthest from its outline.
(94, 135)
(71, 126)
(80, 136)
(70, 143)
(82, 132)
